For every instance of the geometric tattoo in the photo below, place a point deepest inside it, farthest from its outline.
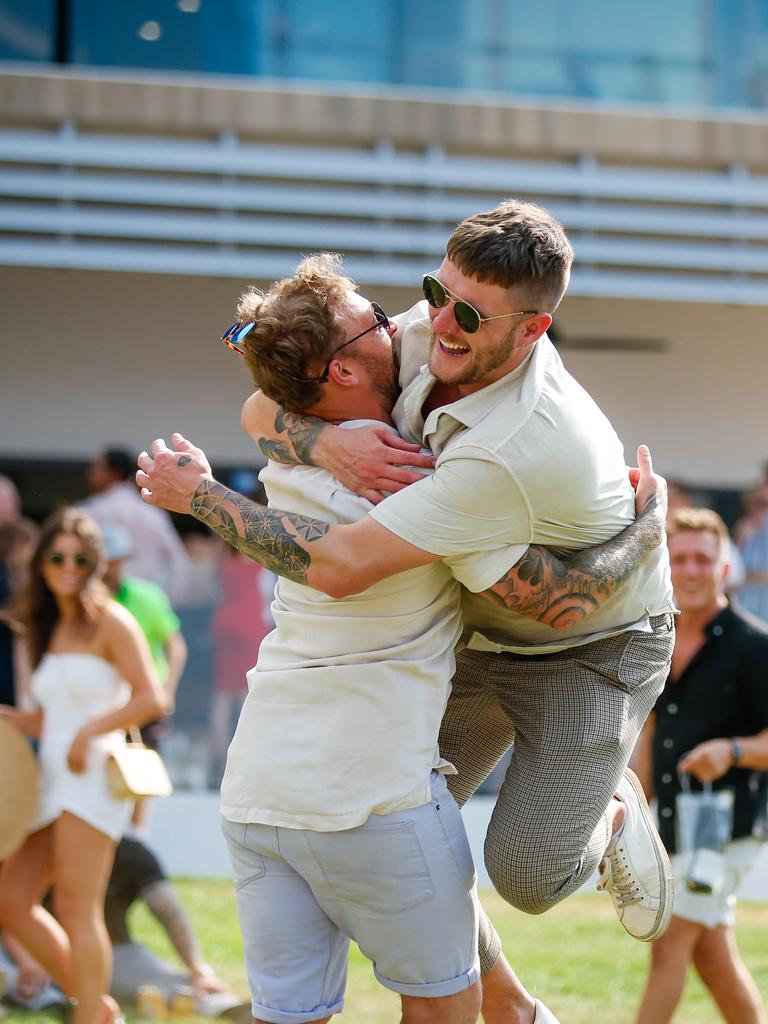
(266, 535)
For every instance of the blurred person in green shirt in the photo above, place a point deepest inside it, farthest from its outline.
(150, 606)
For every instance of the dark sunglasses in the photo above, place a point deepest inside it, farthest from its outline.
(466, 316)
(80, 561)
(234, 336)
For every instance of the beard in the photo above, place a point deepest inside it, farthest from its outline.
(477, 367)
(383, 376)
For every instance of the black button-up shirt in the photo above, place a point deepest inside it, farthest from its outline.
(723, 692)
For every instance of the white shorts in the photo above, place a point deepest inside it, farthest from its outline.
(713, 909)
(402, 885)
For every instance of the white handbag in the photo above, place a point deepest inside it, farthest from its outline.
(135, 771)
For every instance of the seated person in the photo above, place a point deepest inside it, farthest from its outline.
(138, 875)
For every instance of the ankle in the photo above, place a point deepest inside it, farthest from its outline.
(616, 812)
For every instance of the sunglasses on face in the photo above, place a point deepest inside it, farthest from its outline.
(80, 561)
(465, 315)
(234, 336)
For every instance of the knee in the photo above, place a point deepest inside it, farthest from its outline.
(73, 911)
(15, 904)
(667, 955)
(518, 875)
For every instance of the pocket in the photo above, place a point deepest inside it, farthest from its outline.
(629, 661)
(379, 867)
(247, 864)
(452, 827)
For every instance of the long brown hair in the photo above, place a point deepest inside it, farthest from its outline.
(36, 610)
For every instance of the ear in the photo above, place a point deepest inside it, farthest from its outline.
(533, 329)
(343, 373)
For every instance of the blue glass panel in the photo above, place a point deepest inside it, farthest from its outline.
(662, 52)
(341, 40)
(196, 35)
(27, 29)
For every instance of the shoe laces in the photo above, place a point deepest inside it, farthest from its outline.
(616, 877)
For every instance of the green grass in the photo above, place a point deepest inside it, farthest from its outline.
(576, 958)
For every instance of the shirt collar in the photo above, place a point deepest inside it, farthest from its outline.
(525, 381)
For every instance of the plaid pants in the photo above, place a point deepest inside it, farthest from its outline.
(574, 718)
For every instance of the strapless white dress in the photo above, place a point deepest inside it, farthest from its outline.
(72, 689)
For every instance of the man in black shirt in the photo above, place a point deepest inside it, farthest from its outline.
(711, 721)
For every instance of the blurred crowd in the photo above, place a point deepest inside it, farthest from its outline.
(202, 606)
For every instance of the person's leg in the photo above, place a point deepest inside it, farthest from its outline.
(719, 965)
(476, 731)
(460, 1008)
(577, 716)
(25, 878)
(295, 955)
(474, 735)
(82, 859)
(670, 958)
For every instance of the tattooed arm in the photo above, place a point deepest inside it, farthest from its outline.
(338, 560)
(562, 589)
(344, 560)
(366, 460)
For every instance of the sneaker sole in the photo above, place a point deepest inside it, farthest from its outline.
(667, 895)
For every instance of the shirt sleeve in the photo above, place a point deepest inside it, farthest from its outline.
(470, 511)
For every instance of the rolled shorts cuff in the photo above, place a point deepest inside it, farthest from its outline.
(286, 1017)
(433, 989)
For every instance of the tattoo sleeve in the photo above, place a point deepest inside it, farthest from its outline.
(294, 439)
(279, 541)
(562, 588)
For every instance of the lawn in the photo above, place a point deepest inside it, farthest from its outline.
(576, 958)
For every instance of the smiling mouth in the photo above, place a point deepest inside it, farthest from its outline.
(452, 348)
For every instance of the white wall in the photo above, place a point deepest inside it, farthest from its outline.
(186, 834)
(92, 358)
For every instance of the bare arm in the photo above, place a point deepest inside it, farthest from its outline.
(366, 460)
(126, 647)
(709, 760)
(562, 590)
(338, 560)
(175, 648)
(29, 722)
(163, 902)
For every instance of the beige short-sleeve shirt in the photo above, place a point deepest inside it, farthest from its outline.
(345, 702)
(530, 459)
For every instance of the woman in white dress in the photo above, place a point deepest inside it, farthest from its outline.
(93, 677)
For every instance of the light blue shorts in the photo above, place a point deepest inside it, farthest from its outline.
(402, 885)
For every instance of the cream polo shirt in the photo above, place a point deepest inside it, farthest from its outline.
(530, 459)
(345, 702)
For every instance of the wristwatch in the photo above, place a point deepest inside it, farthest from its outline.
(736, 752)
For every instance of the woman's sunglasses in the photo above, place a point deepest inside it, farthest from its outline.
(80, 561)
(466, 316)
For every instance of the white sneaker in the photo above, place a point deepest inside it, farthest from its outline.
(544, 1015)
(636, 870)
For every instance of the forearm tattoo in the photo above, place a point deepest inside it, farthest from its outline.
(297, 445)
(562, 588)
(277, 540)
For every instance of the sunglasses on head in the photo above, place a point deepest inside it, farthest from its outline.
(465, 315)
(80, 561)
(235, 335)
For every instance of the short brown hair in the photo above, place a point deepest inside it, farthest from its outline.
(699, 520)
(296, 328)
(518, 243)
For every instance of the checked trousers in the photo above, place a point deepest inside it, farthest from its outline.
(574, 718)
